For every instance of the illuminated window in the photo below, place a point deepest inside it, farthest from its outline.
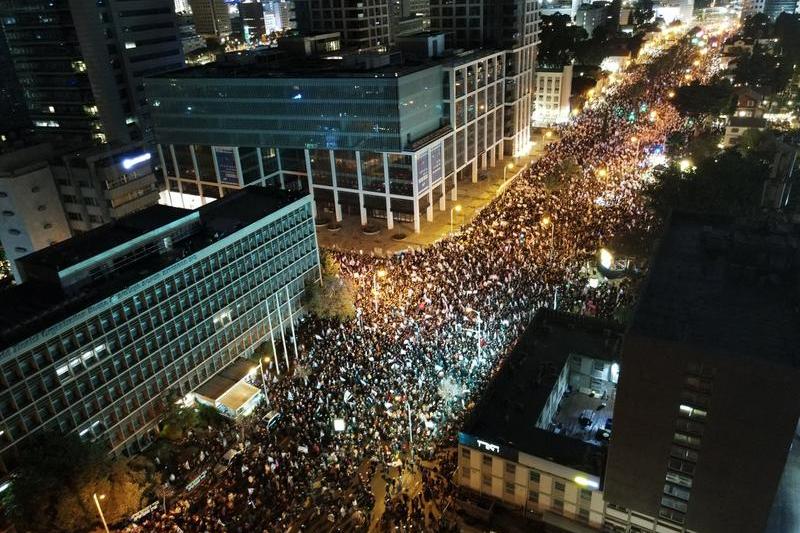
(129, 45)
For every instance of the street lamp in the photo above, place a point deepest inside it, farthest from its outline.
(375, 287)
(602, 173)
(261, 361)
(685, 165)
(455, 209)
(548, 134)
(606, 258)
(100, 510)
(507, 168)
(671, 94)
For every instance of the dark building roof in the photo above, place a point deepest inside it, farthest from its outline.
(86, 245)
(747, 122)
(508, 411)
(727, 287)
(38, 304)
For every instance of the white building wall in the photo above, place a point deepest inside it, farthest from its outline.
(31, 215)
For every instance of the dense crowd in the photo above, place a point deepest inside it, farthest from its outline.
(402, 374)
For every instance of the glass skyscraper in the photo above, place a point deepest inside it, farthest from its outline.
(389, 142)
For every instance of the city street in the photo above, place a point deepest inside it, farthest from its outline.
(386, 393)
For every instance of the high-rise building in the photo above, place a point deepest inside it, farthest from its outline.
(93, 186)
(182, 6)
(212, 18)
(365, 134)
(31, 216)
(12, 105)
(80, 64)
(773, 8)
(552, 97)
(109, 324)
(408, 16)
(510, 25)
(362, 24)
(286, 15)
(707, 404)
(252, 15)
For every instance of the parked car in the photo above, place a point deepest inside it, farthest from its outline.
(602, 435)
(271, 418)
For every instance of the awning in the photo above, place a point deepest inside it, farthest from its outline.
(238, 396)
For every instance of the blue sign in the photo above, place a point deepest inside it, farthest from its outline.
(226, 165)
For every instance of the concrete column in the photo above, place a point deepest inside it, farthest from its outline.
(389, 217)
(416, 216)
(280, 168)
(474, 168)
(443, 197)
(310, 184)
(483, 161)
(492, 157)
(337, 209)
(429, 211)
(362, 211)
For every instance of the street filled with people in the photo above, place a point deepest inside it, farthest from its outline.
(369, 420)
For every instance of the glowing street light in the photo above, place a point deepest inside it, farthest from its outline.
(100, 510)
(685, 165)
(602, 173)
(548, 134)
(375, 287)
(455, 209)
(606, 258)
(653, 116)
(507, 168)
(671, 94)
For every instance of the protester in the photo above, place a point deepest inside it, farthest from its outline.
(403, 373)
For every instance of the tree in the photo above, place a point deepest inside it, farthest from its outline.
(57, 477)
(564, 173)
(559, 38)
(334, 297)
(729, 183)
(644, 12)
(756, 27)
(697, 99)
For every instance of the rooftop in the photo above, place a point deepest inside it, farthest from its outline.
(40, 303)
(508, 411)
(725, 286)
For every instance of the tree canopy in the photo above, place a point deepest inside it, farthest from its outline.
(334, 298)
(559, 39)
(57, 477)
(697, 99)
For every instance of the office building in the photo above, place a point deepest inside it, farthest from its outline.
(31, 216)
(72, 191)
(12, 104)
(253, 25)
(286, 15)
(91, 88)
(362, 24)
(212, 19)
(592, 16)
(536, 441)
(109, 323)
(182, 6)
(773, 8)
(407, 17)
(368, 136)
(509, 25)
(552, 99)
(707, 404)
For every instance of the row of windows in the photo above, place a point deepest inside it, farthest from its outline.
(133, 367)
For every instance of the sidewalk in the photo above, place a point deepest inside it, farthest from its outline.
(472, 197)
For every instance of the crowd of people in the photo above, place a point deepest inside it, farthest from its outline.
(430, 334)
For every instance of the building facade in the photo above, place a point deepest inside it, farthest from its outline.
(80, 64)
(363, 24)
(110, 323)
(253, 22)
(509, 25)
(92, 186)
(31, 216)
(211, 18)
(519, 445)
(387, 142)
(552, 101)
(707, 406)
